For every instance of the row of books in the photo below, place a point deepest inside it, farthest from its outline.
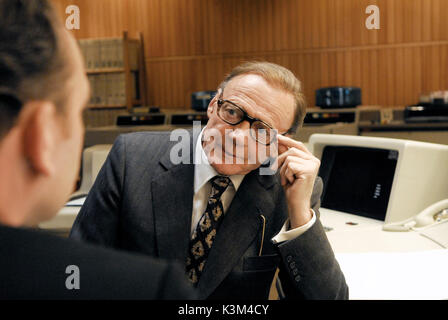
(109, 89)
(108, 53)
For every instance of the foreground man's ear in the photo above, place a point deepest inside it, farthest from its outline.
(38, 124)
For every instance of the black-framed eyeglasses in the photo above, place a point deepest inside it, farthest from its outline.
(233, 114)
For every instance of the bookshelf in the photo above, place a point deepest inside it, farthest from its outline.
(116, 71)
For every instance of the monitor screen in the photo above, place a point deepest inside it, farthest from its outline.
(357, 180)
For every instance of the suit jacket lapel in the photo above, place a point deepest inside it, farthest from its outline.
(172, 194)
(240, 226)
(172, 199)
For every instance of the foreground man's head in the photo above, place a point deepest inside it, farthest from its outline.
(43, 91)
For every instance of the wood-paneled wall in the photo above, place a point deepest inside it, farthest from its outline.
(191, 44)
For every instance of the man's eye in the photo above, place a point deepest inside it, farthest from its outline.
(231, 111)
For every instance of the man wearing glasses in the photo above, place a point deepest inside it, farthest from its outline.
(231, 224)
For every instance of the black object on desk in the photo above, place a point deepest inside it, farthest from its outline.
(324, 117)
(143, 119)
(188, 118)
(338, 97)
(426, 112)
(201, 99)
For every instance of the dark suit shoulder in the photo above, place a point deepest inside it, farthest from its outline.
(122, 189)
(144, 143)
(145, 147)
(146, 136)
(39, 266)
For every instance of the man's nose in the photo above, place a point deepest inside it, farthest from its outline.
(240, 131)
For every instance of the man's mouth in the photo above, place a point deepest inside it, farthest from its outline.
(233, 154)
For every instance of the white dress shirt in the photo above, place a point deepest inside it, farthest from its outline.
(203, 172)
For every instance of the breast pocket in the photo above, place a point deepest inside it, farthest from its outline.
(267, 262)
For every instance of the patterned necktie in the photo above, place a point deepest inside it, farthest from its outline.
(202, 239)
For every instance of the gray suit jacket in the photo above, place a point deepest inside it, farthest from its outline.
(142, 202)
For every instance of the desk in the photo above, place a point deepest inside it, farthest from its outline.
(377, 264)
(425, 132)
(63, 221)
(355, 234)
(386, 265)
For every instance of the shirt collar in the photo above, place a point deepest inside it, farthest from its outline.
(203, 171)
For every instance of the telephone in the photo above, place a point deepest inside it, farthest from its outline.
(435, 213)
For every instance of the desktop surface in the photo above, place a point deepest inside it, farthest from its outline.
(377, 264)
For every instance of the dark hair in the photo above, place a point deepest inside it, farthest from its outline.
(279, 76)
(32, 62)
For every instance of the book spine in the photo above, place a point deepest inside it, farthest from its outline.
(92, 89)
(109, 52)
(97, 54)
(81, 44)
(89, 49)
(102, 43)
(110, 89)
(120, 56)
(102, 90)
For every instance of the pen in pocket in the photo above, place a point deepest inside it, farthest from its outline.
(263, 221)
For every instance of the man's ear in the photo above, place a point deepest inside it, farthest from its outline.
(38, 122)
(211, 105)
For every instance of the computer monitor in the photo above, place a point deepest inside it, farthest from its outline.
(93, 159)
(380, 178)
